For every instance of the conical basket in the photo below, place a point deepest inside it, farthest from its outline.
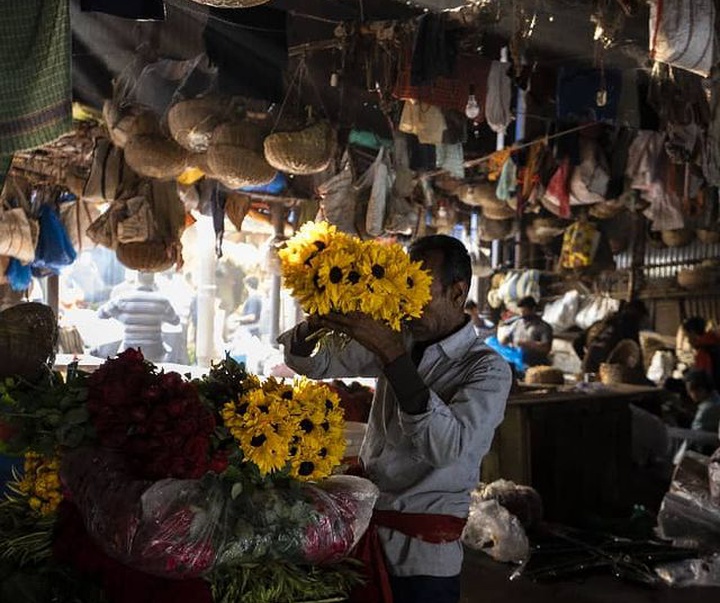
(155, 156)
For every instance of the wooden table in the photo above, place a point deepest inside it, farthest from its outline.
(573, 447)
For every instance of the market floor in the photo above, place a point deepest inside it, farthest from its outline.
(486, 581)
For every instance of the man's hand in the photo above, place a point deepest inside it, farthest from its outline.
(374, 335)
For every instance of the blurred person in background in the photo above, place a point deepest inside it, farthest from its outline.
(706, 344)
(531, 334)
(142, 313)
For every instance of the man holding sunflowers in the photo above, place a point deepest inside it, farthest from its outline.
(439, 396)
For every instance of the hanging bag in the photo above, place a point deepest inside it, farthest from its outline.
(16, 235)
(54, 249)
(77, 215)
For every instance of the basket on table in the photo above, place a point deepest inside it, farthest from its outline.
(545, 375)
(613, 374)
(623, 364)
(306, 151)
(28, 336)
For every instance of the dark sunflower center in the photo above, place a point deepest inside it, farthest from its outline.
(293, 450)
(329, 405)
(306, 468)
(258, 440)
(317, 284)
(242, 409)
(335, 275)
(264, 408)
(307, 425)
(378, 271)
(322, 453)
(319, 244)
(287, 395)
(325, 425)
(354, 277)
(410, 282)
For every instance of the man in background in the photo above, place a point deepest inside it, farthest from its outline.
(142, 313)
(531, 334)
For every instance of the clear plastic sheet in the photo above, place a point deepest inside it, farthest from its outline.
(185, 528)
(688, 516)
(494, 530)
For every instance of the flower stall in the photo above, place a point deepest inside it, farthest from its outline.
(137, 481)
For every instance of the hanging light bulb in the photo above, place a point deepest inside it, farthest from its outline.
(472, 109)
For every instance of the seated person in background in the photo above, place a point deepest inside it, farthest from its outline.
(626, 323)
(707, 414)
(706, 344)
(142, 312)
(531, 334)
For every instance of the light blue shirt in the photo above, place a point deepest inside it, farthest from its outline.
(426, 463)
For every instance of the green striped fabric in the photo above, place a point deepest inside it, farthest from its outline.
(35, 73)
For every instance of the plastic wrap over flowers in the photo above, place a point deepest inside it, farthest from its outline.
(185, 528)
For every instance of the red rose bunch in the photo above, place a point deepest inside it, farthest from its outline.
(155, 419)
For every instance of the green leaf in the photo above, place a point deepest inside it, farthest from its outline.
(236, 490)
(76, 416)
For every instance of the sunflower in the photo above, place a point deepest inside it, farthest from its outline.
(336, 275)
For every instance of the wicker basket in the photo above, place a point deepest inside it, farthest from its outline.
(477, 193)
(446, 183)
(708, 236)
(607, 209)
(306, 151)
(155, 156)
(677, 238)
(28, 336)
(236, 166)
(492, 230)
(131, 122)
(611, 374)
(546, 375)
(497, 210)
(542, 231)
(148, 256)
(698, 277)
(627, 352)
(245, 134)
(192, 122)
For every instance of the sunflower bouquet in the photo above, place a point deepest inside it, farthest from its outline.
(328, 270)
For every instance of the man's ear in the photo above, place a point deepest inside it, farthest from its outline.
(459, 293)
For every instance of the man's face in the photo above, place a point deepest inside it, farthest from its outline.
(526, 312)
(693, 339)
(697, 394)
(440, 315)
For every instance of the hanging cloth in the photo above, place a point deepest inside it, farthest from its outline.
(36, 99)
(682, 34)
(499, 96)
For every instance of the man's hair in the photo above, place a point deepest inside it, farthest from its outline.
(694, 325)
(456, 265)
(699, 379)
(528, 302)
(252, 281)
(470, 304)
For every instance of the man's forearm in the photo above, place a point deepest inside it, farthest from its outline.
(410, 390)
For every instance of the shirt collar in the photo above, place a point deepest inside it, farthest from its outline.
(455, 346)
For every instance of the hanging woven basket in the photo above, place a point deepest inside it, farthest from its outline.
(131, 122)
(708, 237)
(155, 156)
(677, 238)
(493, 230)
(497, 210)
(542, 231)
(146, 256)
(477, 193)
(237, 167)
(192, 122)
(28, 335)
(231, 3)
(307, 151)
